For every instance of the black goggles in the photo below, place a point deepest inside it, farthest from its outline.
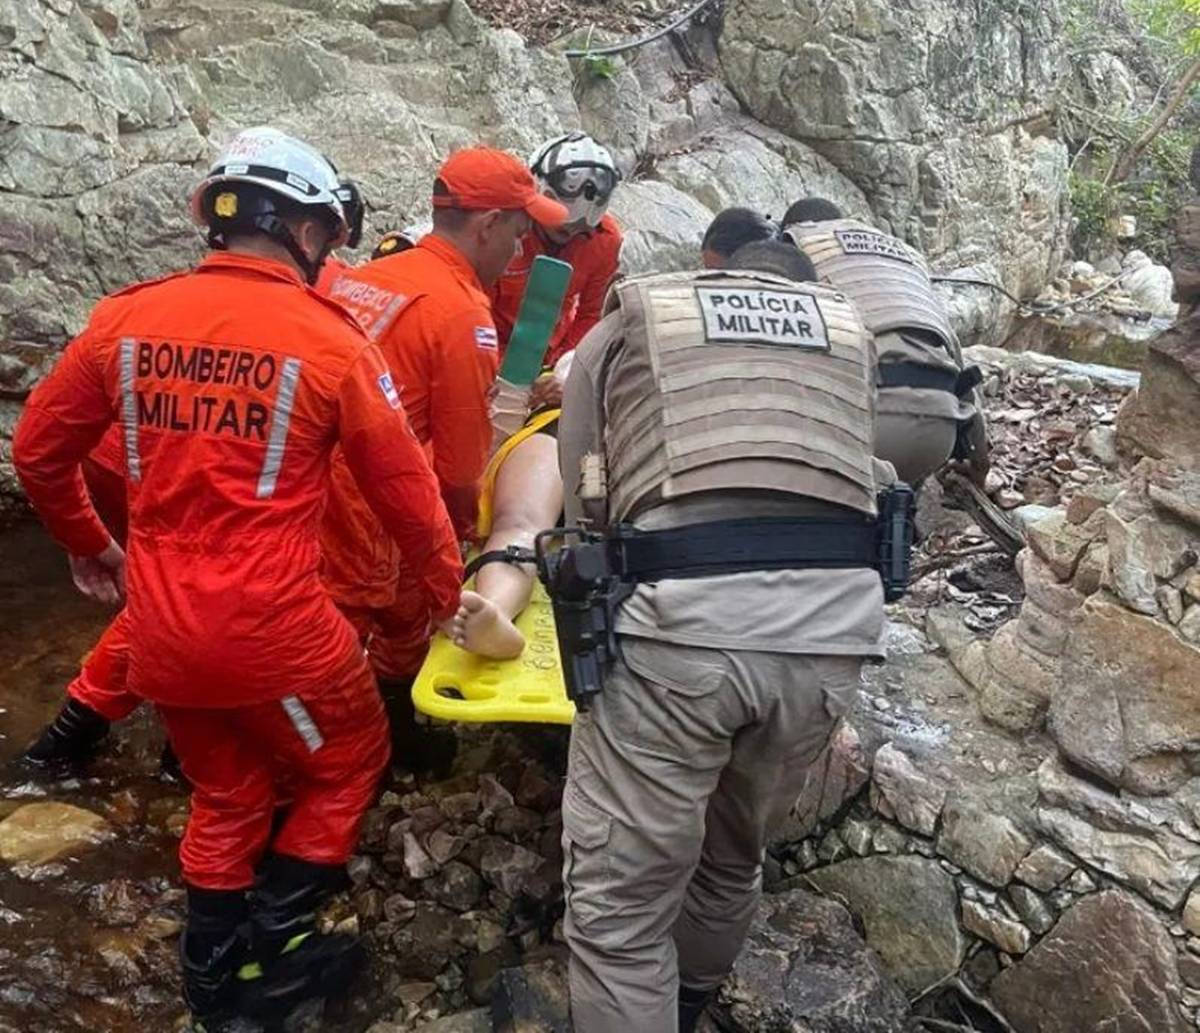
(582, 179)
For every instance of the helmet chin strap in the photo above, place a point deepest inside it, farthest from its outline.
(274, 227)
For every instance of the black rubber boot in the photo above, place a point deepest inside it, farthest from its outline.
(169, 768)
(68, 742)
(289, 960)
(419, 748)
(212, 947)
(691, 1006)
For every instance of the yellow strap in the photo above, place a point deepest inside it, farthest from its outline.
(483, 525)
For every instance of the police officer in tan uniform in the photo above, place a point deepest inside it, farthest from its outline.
(717, 428)
(926, 410)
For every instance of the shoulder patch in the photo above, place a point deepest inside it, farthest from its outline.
(486, 338)
(760, 315)
(388, 387)
(870, 242)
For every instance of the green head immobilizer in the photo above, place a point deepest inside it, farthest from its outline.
(540, 307)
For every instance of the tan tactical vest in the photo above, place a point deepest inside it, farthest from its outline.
(733, 380)
(883, 276)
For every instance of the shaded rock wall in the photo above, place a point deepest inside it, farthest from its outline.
(109, 109)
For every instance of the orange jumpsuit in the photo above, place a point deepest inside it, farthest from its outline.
(232, 385)
(100, 683)
(428, 313)
(593, 258)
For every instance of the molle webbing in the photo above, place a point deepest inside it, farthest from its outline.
(885, 278)
(786, 403)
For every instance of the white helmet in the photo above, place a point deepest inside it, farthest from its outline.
(261, 175)
(579, 173)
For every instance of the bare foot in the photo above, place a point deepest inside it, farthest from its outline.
(481, 628)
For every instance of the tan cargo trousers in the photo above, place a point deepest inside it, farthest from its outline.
(677, 775)
(916, 427)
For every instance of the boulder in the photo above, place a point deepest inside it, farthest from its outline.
(1151, 846)
(37, 833)
(833, 780)
(1118, 962)
(907, 906)
(1128, 709)
(1149, 285)
(904, 793)
(805, 968)
(533, 999)
(926, 109)
(980, 837)
(997, 928)
(1159, 420)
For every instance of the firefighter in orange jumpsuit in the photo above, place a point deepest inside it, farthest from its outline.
(427, 309)
(97, 696)
(232, 385)
(579, 173)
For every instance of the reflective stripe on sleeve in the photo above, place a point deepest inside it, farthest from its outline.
(302, 721)
(280, 418)
(133, 459)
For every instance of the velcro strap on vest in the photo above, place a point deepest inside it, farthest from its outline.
(910, 374)
(737, 546)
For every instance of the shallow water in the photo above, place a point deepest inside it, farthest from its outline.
(88, 942)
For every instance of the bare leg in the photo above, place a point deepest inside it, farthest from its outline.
(527, 499)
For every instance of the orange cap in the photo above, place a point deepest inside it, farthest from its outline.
(480, 178)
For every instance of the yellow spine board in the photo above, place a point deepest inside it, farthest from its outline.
(455, 685)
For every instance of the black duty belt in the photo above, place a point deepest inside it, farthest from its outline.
(736, 546)
(910, 374)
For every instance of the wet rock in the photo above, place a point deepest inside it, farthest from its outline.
(443, 846)
(835, 777)
(38, 833)
(1118, 960)
(901, 792)
(535, 791)
(508, 866)
(1032, 908)
(907, 906)
(1130, 699)
(1152, 846)
(1044, 868)
(804, 967)
(457, 885)
(120, 902)
(399, 909)
(492, 795)
(460, 806)
(516, 822)
(532, 999)
(981, 840)
(995, 927)
(476, 1021)
(417, 863)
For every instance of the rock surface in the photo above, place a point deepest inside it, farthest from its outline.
(805, 967)
(907, 906)
(1118, 962)
(113, 108)
(37, 833)
(882, 91)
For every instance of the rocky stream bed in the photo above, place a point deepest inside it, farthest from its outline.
(1010, 811)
